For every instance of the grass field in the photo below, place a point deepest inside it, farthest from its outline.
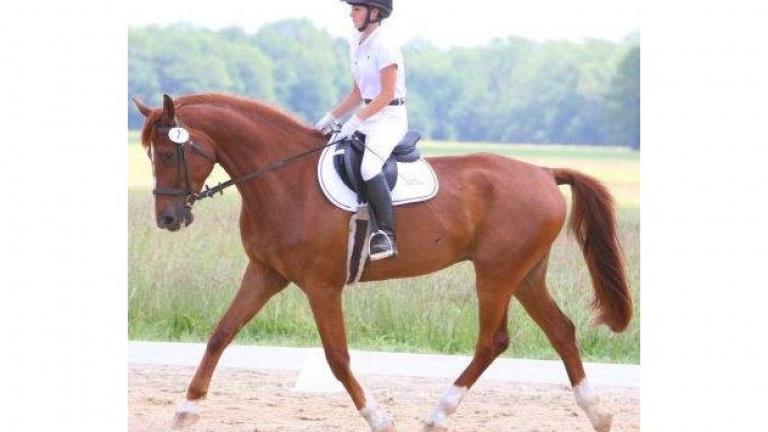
(180, 283)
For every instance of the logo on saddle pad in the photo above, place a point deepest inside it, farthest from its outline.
(411, 179)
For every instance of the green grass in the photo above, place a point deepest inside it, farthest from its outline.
(180, 283)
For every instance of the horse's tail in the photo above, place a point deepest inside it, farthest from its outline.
(593, 222)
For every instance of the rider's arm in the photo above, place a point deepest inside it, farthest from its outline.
(350, 102)
(388, 76)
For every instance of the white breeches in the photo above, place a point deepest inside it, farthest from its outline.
(383, 133)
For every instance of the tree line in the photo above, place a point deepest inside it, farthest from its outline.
(509, 90)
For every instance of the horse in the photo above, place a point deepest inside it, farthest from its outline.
(501, 214)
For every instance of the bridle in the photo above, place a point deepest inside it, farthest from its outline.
(209, 192)
(181, 162)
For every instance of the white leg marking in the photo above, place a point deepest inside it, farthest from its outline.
(589, 402)
(187, 407)
(375, 415)
(447, 406)
(186, 414)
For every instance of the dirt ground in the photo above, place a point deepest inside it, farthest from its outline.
(264, 401)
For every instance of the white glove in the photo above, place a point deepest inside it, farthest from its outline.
(350, 126)
(325, 122)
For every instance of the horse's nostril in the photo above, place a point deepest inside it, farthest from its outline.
(168, 220)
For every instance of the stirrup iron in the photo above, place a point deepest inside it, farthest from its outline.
(390, 251)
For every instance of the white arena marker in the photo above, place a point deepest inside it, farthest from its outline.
(316, 376)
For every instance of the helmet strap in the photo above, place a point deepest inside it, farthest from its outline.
(368, 20)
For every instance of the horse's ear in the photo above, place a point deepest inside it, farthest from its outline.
(169, 112)
(143, 109)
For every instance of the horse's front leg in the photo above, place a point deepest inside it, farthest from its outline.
(327, 310)
(259, 284)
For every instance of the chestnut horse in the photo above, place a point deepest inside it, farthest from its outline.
(499, 213)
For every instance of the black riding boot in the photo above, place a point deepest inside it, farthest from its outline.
(382, 244)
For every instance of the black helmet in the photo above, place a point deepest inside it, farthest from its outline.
(385, 6)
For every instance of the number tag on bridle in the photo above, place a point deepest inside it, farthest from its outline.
(179, 135)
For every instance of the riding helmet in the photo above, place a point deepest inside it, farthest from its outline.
(385, 6)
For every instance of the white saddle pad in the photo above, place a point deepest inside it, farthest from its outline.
(416, 181)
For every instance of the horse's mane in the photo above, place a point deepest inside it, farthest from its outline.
(247, 107)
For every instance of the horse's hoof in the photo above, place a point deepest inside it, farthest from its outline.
(184, 419)
(604, 424)
(389, 426)
(433, 427)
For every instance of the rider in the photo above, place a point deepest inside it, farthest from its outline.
(379, 81)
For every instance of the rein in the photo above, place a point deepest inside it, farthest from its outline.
(209, 192)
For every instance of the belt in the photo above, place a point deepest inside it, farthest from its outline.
(394, 102)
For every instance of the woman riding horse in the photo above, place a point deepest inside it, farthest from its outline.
(378, 80)
(501, 214)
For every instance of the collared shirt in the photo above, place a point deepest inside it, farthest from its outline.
(368, 58)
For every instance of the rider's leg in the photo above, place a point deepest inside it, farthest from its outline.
(382, 242)
(383, 132)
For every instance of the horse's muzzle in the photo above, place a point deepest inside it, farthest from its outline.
(172, 220)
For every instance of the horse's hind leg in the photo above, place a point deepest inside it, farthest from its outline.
(493, 339)
(258, 285)
(327, 309)
(560, 331)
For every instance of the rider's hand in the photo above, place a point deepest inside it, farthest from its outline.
(324, 124)
(350, 126)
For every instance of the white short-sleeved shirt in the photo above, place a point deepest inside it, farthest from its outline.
(376, 52)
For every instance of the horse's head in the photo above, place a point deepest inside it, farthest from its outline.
(181, 157)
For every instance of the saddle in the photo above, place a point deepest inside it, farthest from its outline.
(348, 154)
(338, 175)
